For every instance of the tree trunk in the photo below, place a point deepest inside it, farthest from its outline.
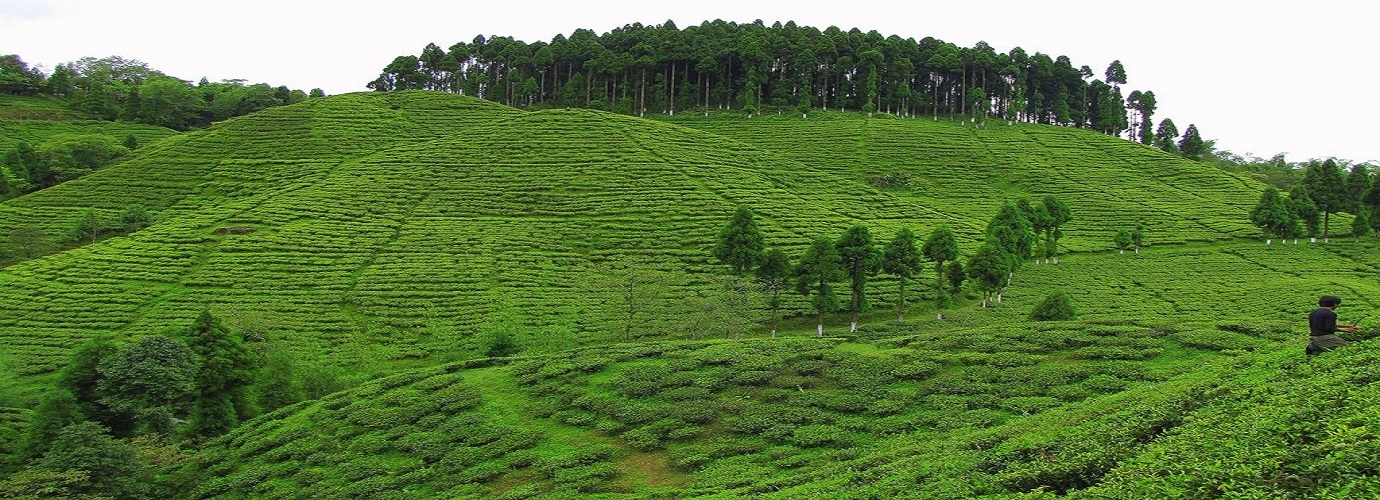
(820, 327)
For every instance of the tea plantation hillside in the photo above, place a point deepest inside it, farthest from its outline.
(1185, 378)
(523, 305)
(965, 172)
(397, 227)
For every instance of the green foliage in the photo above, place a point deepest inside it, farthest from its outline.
(741, 244)
(151, 378)
(57, 411)
(224, 368)
(110, 467)
(815, 273)
(861, 259)
(1056, 307)
(901, 258)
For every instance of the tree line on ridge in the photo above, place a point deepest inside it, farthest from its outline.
(638, 69)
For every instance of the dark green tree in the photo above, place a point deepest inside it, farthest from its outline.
(81, 377)
(1138, 237)
(941, 246)
(1122, 239)
(1191, 146)
(152, 378)
(1360, 226)
(741, 243)
(861, 259)
(815, 274)
(987, 268)
(1012, 235)
(1165, 135)
(954, 277)
(1372, 200)
(1271, 214)
(226, 368)
(17, 78)
(1328, 190)
(1055, 307)
(1059, 214)
(1301, 202)
(68, 157)
(1116, 74)
(7, 189)
(112, 468)
(1041, 224)
(21, 161)
(773, 276)
(58, 410)
(280, 382)
(1357, 183)
(901, 258)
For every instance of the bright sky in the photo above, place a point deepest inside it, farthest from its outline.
(1300, 78)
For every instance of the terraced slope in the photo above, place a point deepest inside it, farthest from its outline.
(960, 174)
(1187, 358)
(361, 232)
(388, 228)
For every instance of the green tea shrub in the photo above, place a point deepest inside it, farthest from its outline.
(809, 436)
(1217, 340)
(1056, 307)
(1029, 405)
(916, 370)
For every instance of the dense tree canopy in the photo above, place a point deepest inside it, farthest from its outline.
(718, 64)
(115, 88)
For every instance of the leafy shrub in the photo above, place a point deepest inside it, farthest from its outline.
(818, 435)
(1217, 340)
(1056, 307)
(916, 370)
(1029, 405)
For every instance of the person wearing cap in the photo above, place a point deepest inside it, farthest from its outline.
(1323, 326)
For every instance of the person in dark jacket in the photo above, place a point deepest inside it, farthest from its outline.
(1323, 326)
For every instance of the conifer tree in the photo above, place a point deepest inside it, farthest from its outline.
(1301, 202)
(1360, 226)
(1164, 136)
(1271, 214)
(815, 274)
(773, 276)
(226, 368)
(1191, 146)
(741, 242)
(1357, 183)
(901, 259)
(941, 246)
(1328, 190)
(1059, 214)
(987, 268)
(861, 259)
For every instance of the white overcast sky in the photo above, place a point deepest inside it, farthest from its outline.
(1259, 77)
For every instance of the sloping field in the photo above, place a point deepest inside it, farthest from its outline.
(1187, 359)
(960, 174)
(393, 227)
(363, 232)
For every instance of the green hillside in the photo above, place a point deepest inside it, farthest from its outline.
(385, 240)
(395, 226)
(957, 173)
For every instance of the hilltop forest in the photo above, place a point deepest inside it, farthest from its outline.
(557, 270)
(638, 69)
